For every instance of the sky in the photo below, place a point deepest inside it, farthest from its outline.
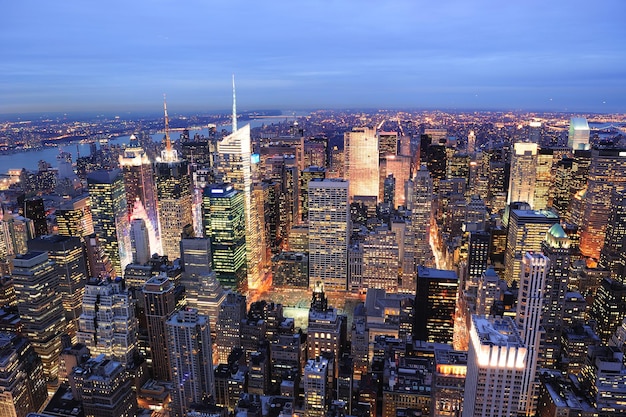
(122, 56)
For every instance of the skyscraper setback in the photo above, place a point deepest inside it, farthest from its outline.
(174, 196)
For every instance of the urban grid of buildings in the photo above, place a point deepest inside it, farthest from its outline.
(399, 267)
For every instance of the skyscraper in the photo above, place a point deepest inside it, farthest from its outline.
(234, 166)
(74, 217)
(139, 241)
(316, 387)
(533, 277)
(523, 173)
(139, 183)
(108, 324)
(496, 364)
(417, 250)
(360, 147)
(191, 361)
(578, 137)
(36, 283)
(223, 212)
(557, 248)
(69, 261)
(232, 311)
(435, 304)
(109, 210)
(526, 230)
(159, 302)
(607, 174)
(329, 219)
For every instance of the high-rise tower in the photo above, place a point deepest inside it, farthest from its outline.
(360, 147)
(36, 284)
(110, 219)
(329, 233)
(191, 362)
(578, 137)
(223, 212)
(523, 173)
(139, 183)
(234, 166)
(174, 197)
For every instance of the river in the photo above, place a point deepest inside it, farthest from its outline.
(29, 159)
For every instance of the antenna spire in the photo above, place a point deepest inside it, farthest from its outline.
(234, 107)
(168, 143)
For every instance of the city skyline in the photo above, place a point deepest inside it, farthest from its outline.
(70, 56)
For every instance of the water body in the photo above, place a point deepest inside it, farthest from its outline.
(30, 158)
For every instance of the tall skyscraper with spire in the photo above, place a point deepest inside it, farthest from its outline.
(174, 196)
(235, 167)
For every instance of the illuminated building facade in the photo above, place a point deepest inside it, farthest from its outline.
(360, 148)
(36, 282)
(496, 364)
(223, 209)
(611, 256)
(399, 166)
(228, 329)
(449, 382)
(527, 229)
(329, 219)
(110, 218)
(22, 384)
(174, 198)
(191, 361)
(316, 387)
(235, 167)
(380, 261)
(159, 302)
(326, 329)
(104, 388)
(435, 304)
(529, 315)
(138, 176)
(74, 217)
(578, 135)
(523, 173)
(607, 174)
(557, 248)
(108, 324)
(69, 258)
(305, 177)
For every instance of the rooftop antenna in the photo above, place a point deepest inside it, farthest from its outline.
(234, 107)
(168, 143)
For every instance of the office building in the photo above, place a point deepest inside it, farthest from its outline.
(417, 250)
(110, 219)
(139, 241)
(159, 302)
(435, 304)
(578, 136)
(23, 385)
(607, 174)
(305, 177)
(228, 327)
(104, 388)
(526, 230)
(326, 331)
(360, 148)
(449, 382)
(74, 217)
(523, 173)
(139, 184)
(529, 315)
(69, 258)
(224, 224)
(39, 303)
(316, 387)
(497, 361)
(611, 255)
(557, 248)
(380, 261)
(290, 269)
(108, 324)
(329, 220)
(191, 361)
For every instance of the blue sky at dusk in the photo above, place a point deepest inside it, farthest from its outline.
(72, 55)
